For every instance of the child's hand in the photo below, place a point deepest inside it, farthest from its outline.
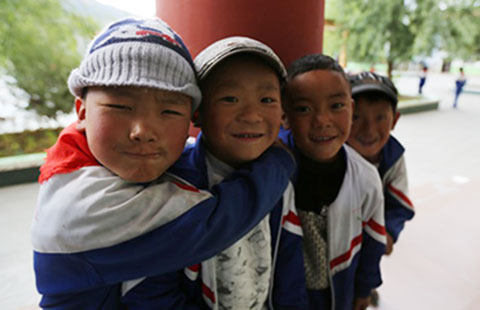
(361, 303)
(389, 248)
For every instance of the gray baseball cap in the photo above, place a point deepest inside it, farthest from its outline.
(219, 50)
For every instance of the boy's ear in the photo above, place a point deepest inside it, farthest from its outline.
(395, 119)
(81, 111)
(285, 122)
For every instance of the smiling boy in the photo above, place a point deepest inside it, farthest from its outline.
(240, 117)
(338, 194)
(375, 116)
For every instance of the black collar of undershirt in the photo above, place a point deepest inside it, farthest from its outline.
(319, 183)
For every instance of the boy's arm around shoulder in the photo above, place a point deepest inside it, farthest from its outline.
(94, 256)
(368, 274)
(165, 292)
(398, 206)
(289, 285)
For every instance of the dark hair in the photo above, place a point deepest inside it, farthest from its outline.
(314, 62)
(84, 92)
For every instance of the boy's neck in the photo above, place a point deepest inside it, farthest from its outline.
(315, 165)
(318, 183)
(376, 159)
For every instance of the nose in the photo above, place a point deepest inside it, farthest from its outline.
(322, 119)
(365, 126)
(250, 113)
(142, 130)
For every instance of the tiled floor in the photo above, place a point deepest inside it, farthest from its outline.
(435, 264)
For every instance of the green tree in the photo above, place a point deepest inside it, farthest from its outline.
(40, 43)
(395, 30)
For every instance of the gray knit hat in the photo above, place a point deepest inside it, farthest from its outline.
(219, 50)
(138, 52)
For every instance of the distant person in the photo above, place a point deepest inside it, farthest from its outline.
(374, 117)
(107, 210)
(338, 193)
(423, 78)
(459, 84)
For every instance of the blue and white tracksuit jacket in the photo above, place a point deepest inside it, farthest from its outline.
(355, 232)
(92, 230)
(194, 287)
(398, 207)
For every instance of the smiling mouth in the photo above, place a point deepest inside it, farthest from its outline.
(248, 136)
(367, 142)
(317, 139)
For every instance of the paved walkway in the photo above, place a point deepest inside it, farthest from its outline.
(435, 264)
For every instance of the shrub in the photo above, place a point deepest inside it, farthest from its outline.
(27, 142)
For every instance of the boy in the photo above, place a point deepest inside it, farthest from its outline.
(107, 211)
(459, 84)
(374, 117)
(240, 116)
(338, 194)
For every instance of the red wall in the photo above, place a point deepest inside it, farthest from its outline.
(291, 29)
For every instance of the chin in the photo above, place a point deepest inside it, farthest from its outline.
(140, 177)
(245, 159)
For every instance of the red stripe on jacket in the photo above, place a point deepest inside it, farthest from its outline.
(346, 256)
(379, 229)
(292, 218)
(400, 194)
(186, 186)
(208, 293)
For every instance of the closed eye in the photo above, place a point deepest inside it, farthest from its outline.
(172, 112)
(119, 107)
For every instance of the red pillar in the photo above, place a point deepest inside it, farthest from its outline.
(291, 28)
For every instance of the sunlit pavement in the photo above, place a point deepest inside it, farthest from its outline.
(17, 285)
(436, 262)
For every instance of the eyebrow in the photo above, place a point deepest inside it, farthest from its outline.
(172, 99)
(263, 86)
(120, 92)
(338, 95)
(300, 97)
(268, 86)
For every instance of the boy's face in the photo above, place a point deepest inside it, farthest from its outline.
(241, 110)
(319, 113)
(372, 122)
(137, 133)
